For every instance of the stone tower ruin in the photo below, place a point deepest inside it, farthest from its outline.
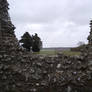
(8, 41)
(90, 43)
(90, 36)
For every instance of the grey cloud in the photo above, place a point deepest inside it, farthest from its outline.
(30, 11)
(40, 11)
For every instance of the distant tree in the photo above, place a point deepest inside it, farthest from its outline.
(26, 41)
(80, 43)
(37, 43)
(81, 46)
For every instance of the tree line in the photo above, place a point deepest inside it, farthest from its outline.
(31, 43)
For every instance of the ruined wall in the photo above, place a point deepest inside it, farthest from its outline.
(44, 74)
(8, 41)
(21, 71)
(90, 43)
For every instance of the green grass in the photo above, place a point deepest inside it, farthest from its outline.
(71, 53)
(48, 52)
(54, 52)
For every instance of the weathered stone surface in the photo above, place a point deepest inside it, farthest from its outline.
(47, 73)
(89, 48)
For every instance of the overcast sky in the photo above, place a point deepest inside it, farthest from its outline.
(59, 23)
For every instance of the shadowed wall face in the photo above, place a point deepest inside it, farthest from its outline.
(90, 36)
(5, 22)
(89, 47)
(8, 41)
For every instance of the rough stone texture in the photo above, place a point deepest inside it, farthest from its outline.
(21, 71)
(90, 36)
(90, 43)
(8, 41)
(44, 74)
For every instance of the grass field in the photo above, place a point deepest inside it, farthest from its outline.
(55, 52)
(71, 53)
(48, 52)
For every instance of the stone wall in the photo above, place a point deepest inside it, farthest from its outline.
(29, 73)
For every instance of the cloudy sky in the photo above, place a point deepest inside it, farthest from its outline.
(59, 23)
